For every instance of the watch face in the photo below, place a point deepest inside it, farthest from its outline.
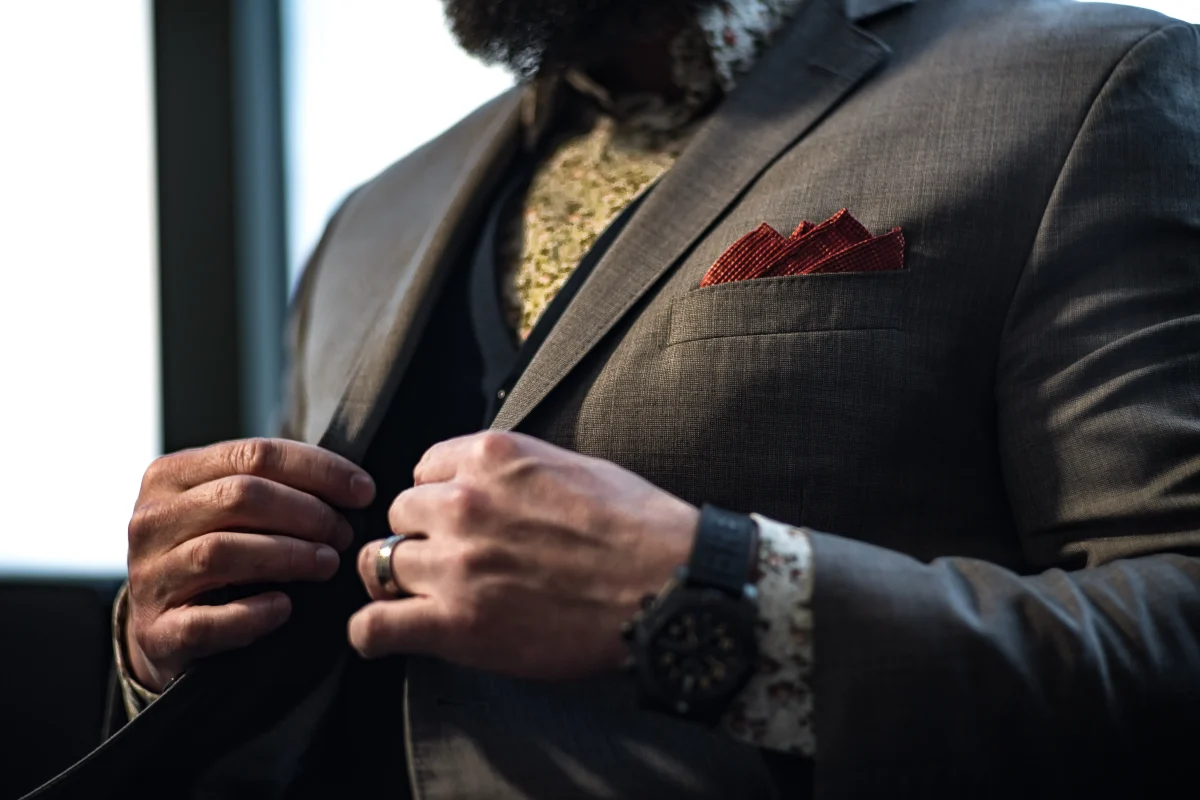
(700, 652)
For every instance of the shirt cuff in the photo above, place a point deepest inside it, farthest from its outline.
(135, 696)
(775, 710)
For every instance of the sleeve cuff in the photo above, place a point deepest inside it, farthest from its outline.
(775, 710)
(135, 696)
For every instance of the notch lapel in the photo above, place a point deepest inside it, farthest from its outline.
(820, 58)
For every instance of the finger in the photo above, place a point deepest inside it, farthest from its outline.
(302, 466)
(413, 626)
(216, 560)
(183, 635)
(413, 567)
(256, 504)
(484, 450)
(433, 507)
(240, 502)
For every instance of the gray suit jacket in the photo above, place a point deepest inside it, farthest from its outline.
(1002, 440)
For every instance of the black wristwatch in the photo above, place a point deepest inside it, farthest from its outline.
(693, 646)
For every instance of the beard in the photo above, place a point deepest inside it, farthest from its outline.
(529, 35)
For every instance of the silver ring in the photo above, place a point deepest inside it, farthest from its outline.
(383, 563)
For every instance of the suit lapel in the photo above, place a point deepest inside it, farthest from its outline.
(415, 274)
(819, 60)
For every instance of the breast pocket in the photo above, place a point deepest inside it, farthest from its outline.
(791, 304)
(761, 388)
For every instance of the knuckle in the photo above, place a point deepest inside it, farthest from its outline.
(149, 591)
(254, 456)
(140, 576)
(208, 554)
(144, 523)
(237, 493)
(493, 447)
(398, 511)
(160, 470)
(463, 505)
(395, 513)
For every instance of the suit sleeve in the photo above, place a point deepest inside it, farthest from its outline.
(1086, 671)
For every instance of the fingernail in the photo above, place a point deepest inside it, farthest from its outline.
(363, 487)
(279, 604)
(327, 559)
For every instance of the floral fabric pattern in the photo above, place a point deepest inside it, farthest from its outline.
(573, 196)
(738, 32)
(775, 710)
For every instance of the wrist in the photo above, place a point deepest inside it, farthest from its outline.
(693, 645)
(672, 549)
(657, 540)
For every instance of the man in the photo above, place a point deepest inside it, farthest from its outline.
(916, 284)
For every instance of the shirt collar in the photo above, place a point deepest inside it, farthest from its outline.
(738, 31)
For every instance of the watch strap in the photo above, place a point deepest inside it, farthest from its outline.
(724, 551)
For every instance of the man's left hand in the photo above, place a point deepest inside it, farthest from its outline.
(533, 558)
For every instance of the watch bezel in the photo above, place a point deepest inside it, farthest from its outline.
(677, 599)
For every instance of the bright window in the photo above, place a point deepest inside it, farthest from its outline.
(78, 290)
(366, 81)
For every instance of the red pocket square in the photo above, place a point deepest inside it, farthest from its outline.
(840, 244)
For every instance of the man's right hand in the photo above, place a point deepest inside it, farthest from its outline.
(243, 512)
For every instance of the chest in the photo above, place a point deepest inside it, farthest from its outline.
(861, 403)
